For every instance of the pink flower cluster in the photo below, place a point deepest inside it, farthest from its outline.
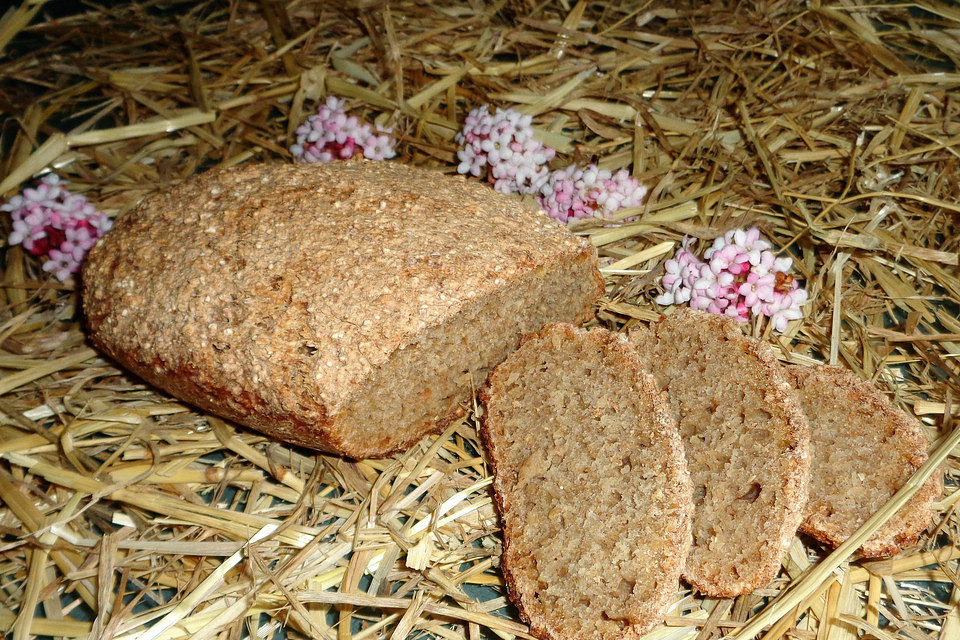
(504, 146)
(333, 135)
(573, 193)
(54, 223)
(739, 276)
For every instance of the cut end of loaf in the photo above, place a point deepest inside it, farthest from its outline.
(425, 385)
(591, 485)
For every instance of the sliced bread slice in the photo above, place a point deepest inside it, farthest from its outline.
(864, 449)
(590, 483)
(746, 443)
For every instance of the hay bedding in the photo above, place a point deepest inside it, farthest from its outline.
(835, 127)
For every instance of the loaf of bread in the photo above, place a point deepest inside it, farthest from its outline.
(747, 446)
(864, 450)
(349, 308)
(590, 483)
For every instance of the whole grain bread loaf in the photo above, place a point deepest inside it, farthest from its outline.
(864, 450)
(590, 483)
(350, 308)
(747, 446)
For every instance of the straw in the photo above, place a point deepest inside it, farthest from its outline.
(810, 582)
(832, 126)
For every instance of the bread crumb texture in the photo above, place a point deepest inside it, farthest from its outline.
(347, 307)
(747, 446)
(590, 483)
(864, 450)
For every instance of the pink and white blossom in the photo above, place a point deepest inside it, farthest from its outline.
(55, 224)
(502, 149)
(331, 135)
(740, 276)
(572, 193)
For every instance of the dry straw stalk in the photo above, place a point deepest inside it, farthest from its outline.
(835, 127)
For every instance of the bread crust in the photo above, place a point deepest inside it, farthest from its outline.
(905, 526)
(795, 478)
(512, 564)
(269, 294)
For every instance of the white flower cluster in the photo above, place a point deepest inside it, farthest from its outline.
(573, 193)
(333, 135)
(739, 276)
(503, 146)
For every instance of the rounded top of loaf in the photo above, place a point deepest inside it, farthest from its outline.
(312, 272)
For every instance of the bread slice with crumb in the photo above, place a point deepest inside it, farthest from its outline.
(864, 450)
(747, 446)
(590, 483)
